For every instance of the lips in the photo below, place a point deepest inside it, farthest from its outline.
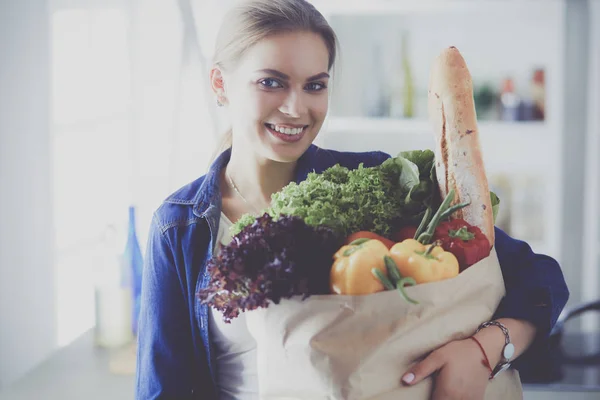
(287, 133)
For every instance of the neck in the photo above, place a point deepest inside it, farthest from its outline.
(258, 179)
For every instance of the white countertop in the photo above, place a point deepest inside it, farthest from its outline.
(78, 371)
(81, 371)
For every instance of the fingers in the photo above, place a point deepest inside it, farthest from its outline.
(423, 369)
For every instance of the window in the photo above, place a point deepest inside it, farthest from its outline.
(132, 122)
(91, 164)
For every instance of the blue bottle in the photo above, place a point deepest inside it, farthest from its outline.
(134, 262)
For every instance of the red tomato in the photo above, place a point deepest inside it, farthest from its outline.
(370, 235)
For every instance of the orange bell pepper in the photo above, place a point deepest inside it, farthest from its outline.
(424, 263)
(351, 272)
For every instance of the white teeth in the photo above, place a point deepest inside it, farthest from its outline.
(286, 131)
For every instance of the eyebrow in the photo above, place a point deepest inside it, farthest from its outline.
(283, 76)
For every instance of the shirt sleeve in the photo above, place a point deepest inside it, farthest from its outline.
(535, 291)
(165, 352)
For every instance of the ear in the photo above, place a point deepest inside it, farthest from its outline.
(218, 84)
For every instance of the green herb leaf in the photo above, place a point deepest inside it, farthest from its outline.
(423, 159)
(409, 177)
(495, 204)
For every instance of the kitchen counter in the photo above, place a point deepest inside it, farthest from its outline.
(82, 372)
(78, 371)
(571, 370)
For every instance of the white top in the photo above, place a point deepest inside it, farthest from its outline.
(235, 348)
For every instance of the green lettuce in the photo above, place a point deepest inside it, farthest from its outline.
(347, 201)
(423, 159)
(409, 175)
(377, 199)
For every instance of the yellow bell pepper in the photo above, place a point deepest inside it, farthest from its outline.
(351, 272)
(424, 263)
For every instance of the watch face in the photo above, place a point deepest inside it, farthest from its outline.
(509, 351)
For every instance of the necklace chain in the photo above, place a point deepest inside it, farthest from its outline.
(240, 193)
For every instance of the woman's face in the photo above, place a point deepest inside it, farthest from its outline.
(277, 95)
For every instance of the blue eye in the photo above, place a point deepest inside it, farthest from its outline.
(316, 86)
(270, 83)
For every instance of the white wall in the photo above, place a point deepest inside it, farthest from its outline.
(27, 327)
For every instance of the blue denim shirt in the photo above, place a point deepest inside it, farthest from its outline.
(175, 355)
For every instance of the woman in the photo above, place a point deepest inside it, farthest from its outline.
(271, 72)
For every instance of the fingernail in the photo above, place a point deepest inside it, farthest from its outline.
(408, 378)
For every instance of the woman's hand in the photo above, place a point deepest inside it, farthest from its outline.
(460, 365)
(460, 372)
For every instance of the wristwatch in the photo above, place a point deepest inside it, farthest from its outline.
(507, 351)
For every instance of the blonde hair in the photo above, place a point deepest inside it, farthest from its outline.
(254, 20)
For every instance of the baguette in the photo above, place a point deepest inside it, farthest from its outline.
(459, 162)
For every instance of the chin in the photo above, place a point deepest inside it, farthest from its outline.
(288, 153)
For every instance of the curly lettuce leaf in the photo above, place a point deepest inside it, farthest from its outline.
(270, 260)
(347, 201)
(245, 220)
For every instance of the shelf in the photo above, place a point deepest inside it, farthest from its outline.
(379, 125)
(417, 126)
(361, 7)
(508, 147)
(400, 7)
(387, 7)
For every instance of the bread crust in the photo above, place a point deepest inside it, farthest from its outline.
(458, 158)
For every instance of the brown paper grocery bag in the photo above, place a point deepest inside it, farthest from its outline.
(357, 347)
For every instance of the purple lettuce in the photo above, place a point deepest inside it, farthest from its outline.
(268, 261)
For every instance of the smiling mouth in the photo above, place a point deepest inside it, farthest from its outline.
(286, 130)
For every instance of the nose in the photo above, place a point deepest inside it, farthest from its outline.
(294, 105)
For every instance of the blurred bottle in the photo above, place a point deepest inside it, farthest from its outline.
(375, 98)
(133, 260)
(485, 102)
(509, 101)
(501, 185)
(538, 94)
(402, 90)
(409, 87)
(112, 295)
(527, 219)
